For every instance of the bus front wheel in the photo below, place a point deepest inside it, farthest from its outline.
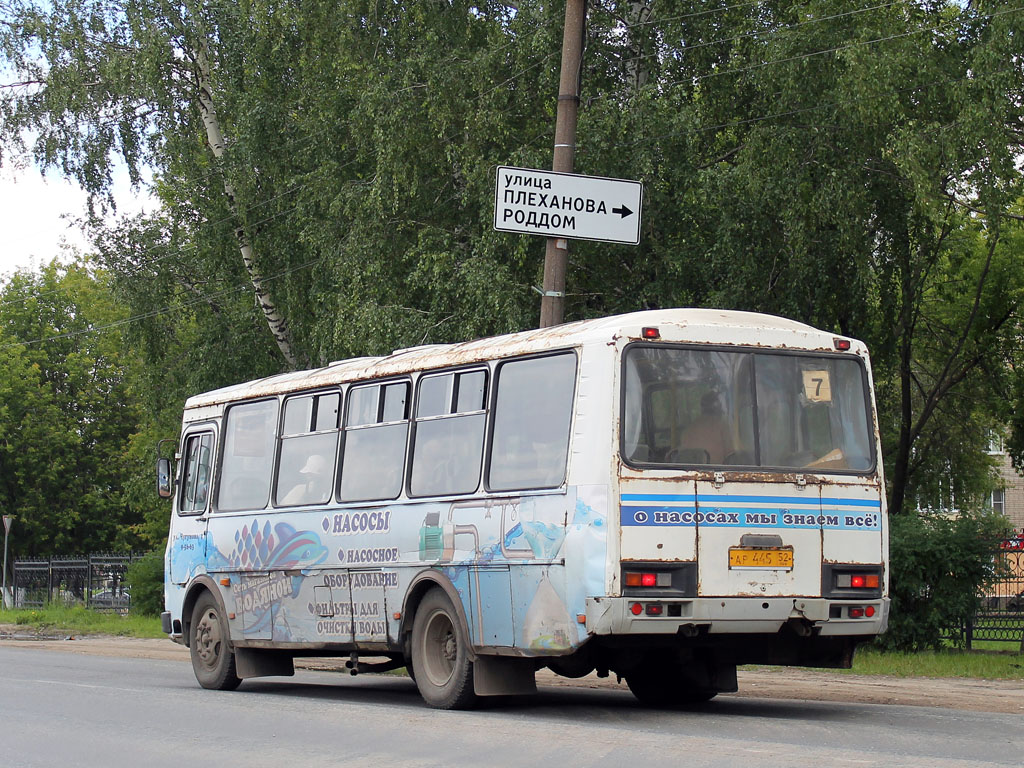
(440, 654)
(213, 660)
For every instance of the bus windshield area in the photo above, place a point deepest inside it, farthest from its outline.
(686, 407)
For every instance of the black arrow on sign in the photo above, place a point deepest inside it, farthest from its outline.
(622, 211)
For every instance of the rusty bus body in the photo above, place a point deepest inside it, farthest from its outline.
(662, 495)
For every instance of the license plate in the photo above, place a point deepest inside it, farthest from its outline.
(761, 558)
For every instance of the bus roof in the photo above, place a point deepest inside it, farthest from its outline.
(709, 326)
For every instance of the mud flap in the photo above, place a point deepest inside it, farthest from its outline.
(255, 662)
(503, 676)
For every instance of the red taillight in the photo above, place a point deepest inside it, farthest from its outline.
(636, 609)
(869, 611)
(649, 579)
(858, 580)
(654, 609)
(651, 333)
(843, 345)
(856, 613)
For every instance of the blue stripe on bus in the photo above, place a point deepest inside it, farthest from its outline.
(724, 498)
(763, 517)
(711, 510)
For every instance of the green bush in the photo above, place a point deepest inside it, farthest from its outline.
(145, 576)
(940, 566)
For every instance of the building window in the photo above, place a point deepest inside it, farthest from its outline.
(999, 501)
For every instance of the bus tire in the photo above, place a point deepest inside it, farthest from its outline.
(213, 659)
(656, 685)
(442, 668)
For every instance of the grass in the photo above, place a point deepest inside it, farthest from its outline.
(76, 620)
(996, 664)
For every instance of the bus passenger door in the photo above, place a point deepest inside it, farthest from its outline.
(188, 538)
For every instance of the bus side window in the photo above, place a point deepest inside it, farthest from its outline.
(375, 437)
(247, 467)
(195, 483)
(309, 446)
(532, 417)
(448, 443)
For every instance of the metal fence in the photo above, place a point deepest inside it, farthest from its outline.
(95, 581)
(1001, 617)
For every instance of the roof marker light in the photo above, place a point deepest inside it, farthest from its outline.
(650, 333)
(843, 345)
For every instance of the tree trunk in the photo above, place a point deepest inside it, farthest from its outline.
(907, 322)
(638, 14)
(215, 140)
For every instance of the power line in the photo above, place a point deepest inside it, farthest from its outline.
(789, 113)
(246, 286)
(789, 59)
(691, 15)
(233, 217)
(299, 142)
(480, 96)
(762, 32)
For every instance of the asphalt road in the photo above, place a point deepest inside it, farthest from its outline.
(61, 709)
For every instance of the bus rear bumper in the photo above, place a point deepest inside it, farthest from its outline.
(735, 615)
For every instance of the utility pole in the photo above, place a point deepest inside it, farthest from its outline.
(556, 254)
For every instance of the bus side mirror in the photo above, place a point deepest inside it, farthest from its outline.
(164, 480)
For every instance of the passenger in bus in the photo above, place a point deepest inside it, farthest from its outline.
(315, 484)
(709, 432)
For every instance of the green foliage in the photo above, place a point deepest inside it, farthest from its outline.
(145, 577)
(67, 409)
(940, 566)
(854, 167)
(870, 660)
(75, 620)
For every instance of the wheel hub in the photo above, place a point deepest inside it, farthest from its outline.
(208, 639)
(451, 649)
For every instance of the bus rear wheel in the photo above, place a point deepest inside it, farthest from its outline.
(657, 685)
(213, 660)
(442, 668)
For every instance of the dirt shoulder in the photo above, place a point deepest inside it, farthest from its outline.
(1004, 696)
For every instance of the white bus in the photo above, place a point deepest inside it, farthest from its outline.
(661, 495)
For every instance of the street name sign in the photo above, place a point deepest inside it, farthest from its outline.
(567, 205)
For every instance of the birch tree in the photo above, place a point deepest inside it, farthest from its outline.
(134, 79)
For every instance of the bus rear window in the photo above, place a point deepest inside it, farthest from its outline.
(691, 407)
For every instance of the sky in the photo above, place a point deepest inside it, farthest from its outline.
(37, 216)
